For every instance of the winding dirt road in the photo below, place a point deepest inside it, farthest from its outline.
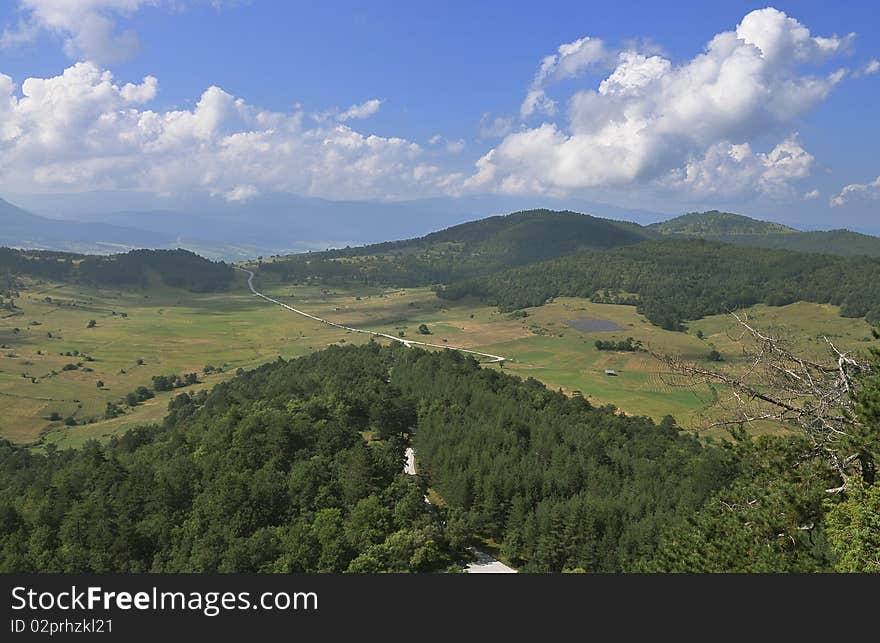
(409, 343)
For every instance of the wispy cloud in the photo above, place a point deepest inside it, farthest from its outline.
(362, 110)
(857, 191)
(570, 59)
(90, 28)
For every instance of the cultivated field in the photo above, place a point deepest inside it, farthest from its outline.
(176, 332)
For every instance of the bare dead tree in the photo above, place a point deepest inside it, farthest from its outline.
(816, 397)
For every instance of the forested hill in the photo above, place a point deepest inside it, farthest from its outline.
(845, 243)
(715, 223)
(470, 249)
(270, 472)
(488, 246)
(176, 268)
(678, 280)
(744, 231)
(297, 467)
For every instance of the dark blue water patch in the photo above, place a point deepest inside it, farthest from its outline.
(592, 325)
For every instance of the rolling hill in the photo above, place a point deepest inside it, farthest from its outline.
(745, 231)
(467, 250)
(493, 245)
(715, 223)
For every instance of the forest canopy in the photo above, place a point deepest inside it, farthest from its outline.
(175, 268)
(297, 467)
(679, 280)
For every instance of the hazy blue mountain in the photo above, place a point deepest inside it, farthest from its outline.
(270, 223)
(278, 222)
(20, 228)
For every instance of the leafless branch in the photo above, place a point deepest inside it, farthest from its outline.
(778, 384)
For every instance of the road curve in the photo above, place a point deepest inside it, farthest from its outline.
(409, 343)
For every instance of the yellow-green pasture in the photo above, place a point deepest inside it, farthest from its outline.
(177, 332)
(171, 331)
(542, 344)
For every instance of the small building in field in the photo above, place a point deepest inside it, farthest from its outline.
(610, 372)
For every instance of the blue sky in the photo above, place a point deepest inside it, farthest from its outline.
(444, 73)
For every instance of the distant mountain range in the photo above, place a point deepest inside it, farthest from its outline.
(536, 235)
(215, 228)
(21, 229)
(280, 224)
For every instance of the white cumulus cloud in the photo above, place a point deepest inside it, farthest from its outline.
(729, 170)
(85, 130)
(651, 121)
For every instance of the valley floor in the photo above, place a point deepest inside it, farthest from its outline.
(176, 332)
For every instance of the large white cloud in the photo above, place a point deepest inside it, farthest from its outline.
(687, 126)
(84, 130)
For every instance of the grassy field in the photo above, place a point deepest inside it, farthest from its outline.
(542, 344)
(170, 331)
(176, 332)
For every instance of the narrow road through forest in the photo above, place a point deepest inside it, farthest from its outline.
(485, 564)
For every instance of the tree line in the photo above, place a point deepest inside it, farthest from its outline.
(176, 268)
(678, 280)
(628, 345)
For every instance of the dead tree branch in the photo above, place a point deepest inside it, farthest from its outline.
(781, 385)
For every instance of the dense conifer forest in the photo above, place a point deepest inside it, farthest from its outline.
(297, 467)
(681, 280)
(176, 268)
(267, 473)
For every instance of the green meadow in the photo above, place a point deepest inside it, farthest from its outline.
(171, 331)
